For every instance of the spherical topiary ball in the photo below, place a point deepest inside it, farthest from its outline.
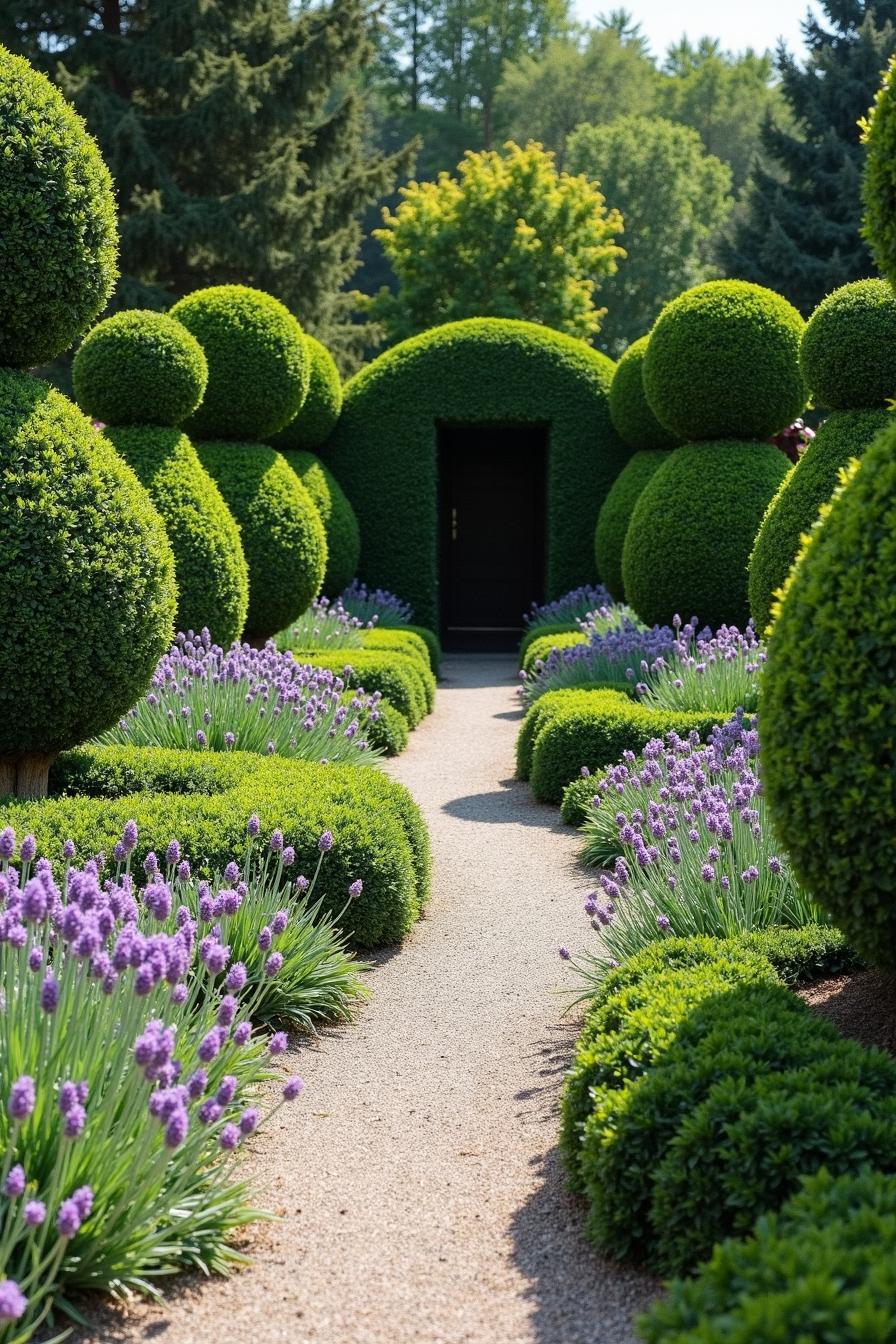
(848, 352)
(211, 571)
(258, 362)
(808, 485)
(827, 709)
(282, 533)
(139, 368)
(692, 530)
(630, 411)
(88, 582)
(337, 516)
(59, 234)
(723, 362)
(316, 420)
(615, 516)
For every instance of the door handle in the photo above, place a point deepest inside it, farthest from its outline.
(454, 524)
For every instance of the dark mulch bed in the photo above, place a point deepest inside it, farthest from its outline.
(862, 1006)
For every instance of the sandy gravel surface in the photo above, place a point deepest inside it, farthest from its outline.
(421, 1194)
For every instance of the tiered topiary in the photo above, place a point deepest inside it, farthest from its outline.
(258, 373)
(142, 373)
(317, 418)
(721, 371)
(337, 516)
(88, 573)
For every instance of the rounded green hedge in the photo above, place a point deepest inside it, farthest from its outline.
(879, 186)
(319, 412)
(616, 514)
(283, 537)
(258, 362)
(88, 575)
(209, 564)
(337, 516)
(139, 367)
(399, 678)
(384, 452)
(723, 362)
(692, 529)
(539, 649)
(826, 708)
(794, 508)
(401, 640)
(389, 732)
(848, 351)
(630, 410)
(60, 236)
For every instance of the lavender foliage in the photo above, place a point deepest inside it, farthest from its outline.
(569, 609)
(617, 645)
(705, 671)
(325, 625)
(375, 606)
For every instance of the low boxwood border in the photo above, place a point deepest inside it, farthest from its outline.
(542, 647)
(399, 677)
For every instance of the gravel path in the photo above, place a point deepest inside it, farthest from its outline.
(418, 1179)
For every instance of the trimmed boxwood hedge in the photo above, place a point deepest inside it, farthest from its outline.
(390, 732)
(139, 367)
(616, 514)
(793, 510)
(398, 677)
(400, 640)
(337, 516)
(383, 450)
(541, 647)
(630, 410)
(540, 632)
(433, 645)
(848, 351)
(879, 185)
(315, 421)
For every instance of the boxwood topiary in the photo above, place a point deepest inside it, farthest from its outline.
(540, 648)
(319, 412)
(793, 510)
(60, 236)
(400, 640)
(398, 679)
(826, 709)
(630, 410)
(848, 351)
(616, 513)
(88, 582)
(139, 367)
(433, 645)
(389, 732)
(337, 516)
(692, 529)
(879, 186)
(541, 632)
(723, 361)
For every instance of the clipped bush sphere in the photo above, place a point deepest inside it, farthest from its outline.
(794, 508)
(337, 516)
(60, 237)
(282, 533)
(723, 362)
(615, 516)
(316, 420)
(88, 577)
(139, 367)
(212, 577)
(630, 410)
(827, 709)
(848, 352)
(258, 363)
(879, 185)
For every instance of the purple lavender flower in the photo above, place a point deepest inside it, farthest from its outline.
(7, 843)
(28, 849)
(68, 1220)
(292, 1088)
(356, 888)
(13, 1302)
(129, 836)
(14, 1185)
(242, 1032)
(35, 959)
(176, 1128)
(249, 1120)
(273, 965)
(229, 1137)
(68, 849)
(253, 827)
(279, 922)
(210, 1112)
(34, 1212)
(172, 854)
(22, 1098)
(83, 1200)
(196, 1084)
(325, 843)
(278, 1043)
(302, 883)
(276, 842)
(288, 857)
(236, 977)
(564, 953)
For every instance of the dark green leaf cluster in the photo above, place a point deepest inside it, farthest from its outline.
(848, 351)
(539, 647)
(399, 677)
(139, 367)
(399, 639)
(630, 410)
(319, 412)
(337, 516)
(879, 185)
(616, 514)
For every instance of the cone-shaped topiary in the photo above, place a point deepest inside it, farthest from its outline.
(827, 709)
(283, 536)
(212, 576)
(59, 234)
(258, 362)
(630, 411)
(139, 368)
(316, 420)
(879, 186)
(848, 351)
(808, 485)
(723, 361)
(692, 530)
(88, 582)
(615, 516)
(337, 516)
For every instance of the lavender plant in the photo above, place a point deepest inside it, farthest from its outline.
(569, 609)
(376, 606)
(609, 658)
(705, 671)
(325, 625)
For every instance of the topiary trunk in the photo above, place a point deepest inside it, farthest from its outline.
(26, 776)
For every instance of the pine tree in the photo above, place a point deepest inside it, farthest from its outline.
(799, 230)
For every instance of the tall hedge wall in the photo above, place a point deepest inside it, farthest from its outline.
(384, 449)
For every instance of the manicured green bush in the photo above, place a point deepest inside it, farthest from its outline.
(139, 367)
(538, 649)
(316, 420)
(283, 537)
(848, 351)
(542, 632)
(400, 641)
(258, 362)
(793, 510)
(209, 564)
(630, 410)
(802, 955)
(692, 529)
(826, 709)
(575, 804)
(88, 582)
(616, 514)
(337, 516)
(397, 677)
(723, 362)
(544, 708)
(60, 237)
(433, 645)
(384, 448)
(879, 186)
(389, 732)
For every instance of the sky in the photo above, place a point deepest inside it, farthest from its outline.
(756, 23)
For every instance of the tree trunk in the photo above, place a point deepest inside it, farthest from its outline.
(33, 773)
(7, 775)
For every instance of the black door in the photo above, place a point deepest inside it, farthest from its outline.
(492, 496)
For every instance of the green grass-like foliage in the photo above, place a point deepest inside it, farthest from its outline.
(879, 185)
(60, 236)
(541, 646)
(88, 574)
(848, 351)
(209, 564)
(616, 514)
(794, 508)
(282, 533)
(692, 529)
(826, 708)
(139, 367)
(398, 676)
(316, 420)
(383, 450)
(723, 362)
(630, 410)
(337, 516)
(258, 362)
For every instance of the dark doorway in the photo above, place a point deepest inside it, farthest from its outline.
(492, 500)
